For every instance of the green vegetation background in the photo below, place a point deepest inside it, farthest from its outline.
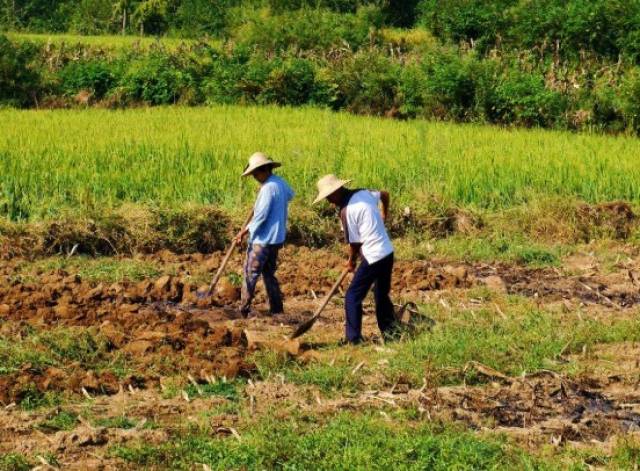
(559, 64)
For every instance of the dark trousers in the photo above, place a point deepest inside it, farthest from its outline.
(379, 275)
(261, 260)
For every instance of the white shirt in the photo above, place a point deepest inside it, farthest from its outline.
(362, 224)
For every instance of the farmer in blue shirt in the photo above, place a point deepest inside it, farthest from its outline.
(267, 232)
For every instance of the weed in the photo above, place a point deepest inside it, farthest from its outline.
(344, 441)
(61, 420)
(14, 462)
(116, 422)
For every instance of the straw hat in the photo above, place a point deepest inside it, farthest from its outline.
(258, 160)
(327, 185)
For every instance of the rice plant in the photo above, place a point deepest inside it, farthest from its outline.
(50, 160)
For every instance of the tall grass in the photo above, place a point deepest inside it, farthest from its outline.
(169, 156)
(114, 42)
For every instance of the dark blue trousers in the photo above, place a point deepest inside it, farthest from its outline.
(379, 275)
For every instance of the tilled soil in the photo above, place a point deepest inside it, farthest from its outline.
(152, 321)
(160, 318)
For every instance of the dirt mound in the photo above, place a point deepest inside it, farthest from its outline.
(615, 219)
(140, 321)
(545, 402)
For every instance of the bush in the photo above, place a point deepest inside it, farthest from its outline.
(292, 83)
(255, 76)
(305, 29)
(195, 18)
(96, 76)
(521, 98)
(607, 105)
(367, 83)
(480, 21)
(19, 81)
(605, 27)
(631, 97)
(412, 91)
(451, 87)
(156, 79)
(223, 82)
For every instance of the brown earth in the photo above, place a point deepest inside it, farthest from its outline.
(164, 317)
(164, 328)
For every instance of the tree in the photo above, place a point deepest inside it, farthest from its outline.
(150, 16)
(121, 9)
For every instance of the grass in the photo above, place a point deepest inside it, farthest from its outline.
(105, 269)
(114, 42)
(345, 441)
(514, 249)
(14, 462)
(225, 389)
(99, 159)
(527, 339)
(61, 420)
(116, 422)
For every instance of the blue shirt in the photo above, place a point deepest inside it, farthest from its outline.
(269, 223)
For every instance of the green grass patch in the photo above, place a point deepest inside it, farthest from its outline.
(33, 399)
(116, 422)
(505, 248)
(101, 269)
(329, 378)
(14, 462)
(61, 420)
(54, 348)
(345, 441)
(105, 159)
(527, 340)
(226, 389)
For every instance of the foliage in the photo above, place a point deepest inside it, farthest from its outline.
(97, 76)
(19, 81)
(156, 79)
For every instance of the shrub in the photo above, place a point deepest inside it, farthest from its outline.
(223, 82)
(521, 98)
(607, 105)
(631, 97)
(156, 79)
(605, 27)
(412, 91)
(292, 83)
(451, 87)
(255, 76)
(194, 18)
(306, 29)
(19, 81)
(466, 20)
(367, 83)
(97, 76)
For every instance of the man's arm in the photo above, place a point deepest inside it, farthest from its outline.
(260, 214)
(354, 252)
(243, 232)
(384, 199)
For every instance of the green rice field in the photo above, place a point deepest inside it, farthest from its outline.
(51, 160)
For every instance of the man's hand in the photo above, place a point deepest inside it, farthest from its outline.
(239, 236)
(354, 251)
(350, 265)
(384, 199)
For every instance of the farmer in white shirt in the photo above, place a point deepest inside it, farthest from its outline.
(363, 225)
(267, 232)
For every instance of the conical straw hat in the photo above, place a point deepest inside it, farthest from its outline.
(327, 185)
(258, 160)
